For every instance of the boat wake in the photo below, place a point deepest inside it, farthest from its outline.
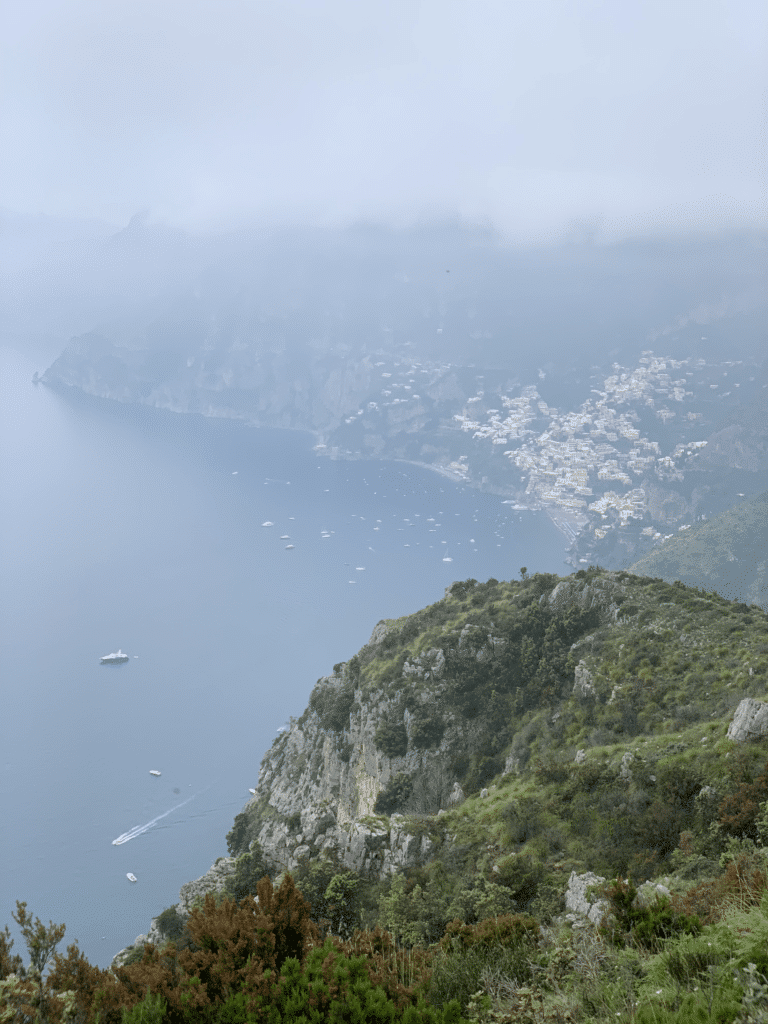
(139, 830)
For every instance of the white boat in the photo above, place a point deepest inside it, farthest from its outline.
(116, 658)
(285, 536)
(131, 877)
(252, 791)
(153, 771)
(267, 523)
(289, 547)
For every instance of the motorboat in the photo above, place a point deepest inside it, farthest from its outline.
(116, 658)
(131, 877)
(154, 771)
(289, 547)
(252, 791)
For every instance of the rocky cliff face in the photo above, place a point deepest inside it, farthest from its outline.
(459, 697)
(316, 796)
(318, 790)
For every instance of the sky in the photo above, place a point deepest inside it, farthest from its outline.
(531, 115)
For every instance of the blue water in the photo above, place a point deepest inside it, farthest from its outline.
(129, 527)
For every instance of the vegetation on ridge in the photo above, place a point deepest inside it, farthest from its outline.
(657, 791)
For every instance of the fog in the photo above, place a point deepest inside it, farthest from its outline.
(266, 211)
(629, 118)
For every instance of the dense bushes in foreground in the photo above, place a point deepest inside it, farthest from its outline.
(265, 961)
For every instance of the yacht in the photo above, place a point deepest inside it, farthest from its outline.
(116, 658)
(131, 877)
(153, 771)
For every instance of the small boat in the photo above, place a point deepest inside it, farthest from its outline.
(252, 791)
(116, 658)
(285, 536)
(289, 547)
(154, 771)
(267, 523)
(131, 877)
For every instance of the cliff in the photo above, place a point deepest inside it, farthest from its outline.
(513, 735)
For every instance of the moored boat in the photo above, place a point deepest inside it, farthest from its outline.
(116, 658)
(131, 877)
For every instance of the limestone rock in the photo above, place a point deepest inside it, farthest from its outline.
(603, 593)
(578, 904)
(750, 721)
(213, 880)
(380, 630)
(457, 796)
(583, 684)
(649, 892)
(625, 773)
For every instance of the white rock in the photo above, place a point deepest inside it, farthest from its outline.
(750, 721)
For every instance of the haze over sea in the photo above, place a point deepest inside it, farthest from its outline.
(130, 527)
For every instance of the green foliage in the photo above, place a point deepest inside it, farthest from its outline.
(151, 1010)
(395, 794)
(10, 963)
(342, 904)
(41, 942)
(502, 946)
(171, 923)
(250, 868)
(392, 738)
(329, 986)
(647, 926)
(427, 729)
(241, 834)
(332, 702)
(754, 1003)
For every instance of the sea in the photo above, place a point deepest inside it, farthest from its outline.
(235, 566)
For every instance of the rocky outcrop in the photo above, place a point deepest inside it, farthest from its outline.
(583, 685)
(584, 905)
(750, 721)
(213, 880)
(604, 593)
(581, 906)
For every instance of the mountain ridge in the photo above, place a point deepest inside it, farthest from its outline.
(473, 743)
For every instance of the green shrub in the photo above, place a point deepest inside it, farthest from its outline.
(427, 730)
(171, 923)
(332, 703)
(329, 986)
(250, 868)
(503, 947)
(647, 926)
(394, 795)
(392, 738)
(151, 1010)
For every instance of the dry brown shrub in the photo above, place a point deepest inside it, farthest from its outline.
(742, 884)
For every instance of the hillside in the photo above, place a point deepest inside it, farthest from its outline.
(501, 739)
(551, 793)
(728, 553)
(444, 348)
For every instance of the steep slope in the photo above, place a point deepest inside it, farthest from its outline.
(507, 738)
(728, 553)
